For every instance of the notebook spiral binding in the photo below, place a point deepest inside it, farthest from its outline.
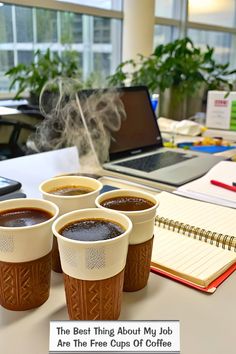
(218, 239)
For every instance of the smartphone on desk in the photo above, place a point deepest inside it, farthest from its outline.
(8, 185)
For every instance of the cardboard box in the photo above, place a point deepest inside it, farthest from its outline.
(221, 110)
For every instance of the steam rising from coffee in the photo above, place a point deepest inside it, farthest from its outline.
(73, 118)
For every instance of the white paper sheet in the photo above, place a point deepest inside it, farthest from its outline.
(202, 189)
(31, 170)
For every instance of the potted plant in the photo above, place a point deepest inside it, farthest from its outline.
(177, 71)
(45, 66)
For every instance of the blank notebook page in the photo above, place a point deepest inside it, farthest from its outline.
(207, 216)
(189, 258)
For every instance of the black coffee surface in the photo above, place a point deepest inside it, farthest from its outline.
(127, 203)
(92, 230)
(23, 217)
(71, 190)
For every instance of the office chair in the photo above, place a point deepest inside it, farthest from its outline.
(32, 111)
(13, 148)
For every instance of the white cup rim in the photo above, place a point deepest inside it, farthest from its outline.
(92, 210)
(70, 197)
(12, 201)
(125, 192)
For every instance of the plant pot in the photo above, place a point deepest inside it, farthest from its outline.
(174, 108)
(171, 106)
(33, 99)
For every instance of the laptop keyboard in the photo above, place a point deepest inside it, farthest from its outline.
(155, 162)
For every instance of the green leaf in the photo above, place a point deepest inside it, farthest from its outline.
(179, 64)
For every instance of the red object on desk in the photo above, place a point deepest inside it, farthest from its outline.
(223, 185)
(210, 289)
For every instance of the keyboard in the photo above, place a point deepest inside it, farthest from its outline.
(155, 162)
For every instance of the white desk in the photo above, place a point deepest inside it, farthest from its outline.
(207, 322)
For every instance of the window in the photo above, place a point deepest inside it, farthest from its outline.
(102, 30)
(214, 24)
(208, 22)
(167, 23)
(71, 28)
(24, 24)
(6, 62)
(214, 12)
(222, 42)
(102, 63)
(46, 21)
(165, 34)
(96, 39)
(25, 56)
(6, 59)
(168, 8)
(6, 30)
(103, 4)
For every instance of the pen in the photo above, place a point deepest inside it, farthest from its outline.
(234, 184)
(223, 185)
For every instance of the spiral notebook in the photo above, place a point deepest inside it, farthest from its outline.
(195, 242)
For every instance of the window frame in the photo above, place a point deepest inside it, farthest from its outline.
(184, 24)
(70, 7)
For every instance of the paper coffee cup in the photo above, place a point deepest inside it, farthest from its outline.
(69, 203)
(93, 267)
(143, 220)
(22, 244)
(25, 258)
(72, 202)
(137, 268)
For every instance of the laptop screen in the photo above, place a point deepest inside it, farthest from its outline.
(139, 131)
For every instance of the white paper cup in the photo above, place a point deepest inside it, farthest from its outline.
(22, 244)
(143, 220)
(93, 270)
(25, 258)
(74, 202)
(93, 260)
(141, 238)
(69, 203)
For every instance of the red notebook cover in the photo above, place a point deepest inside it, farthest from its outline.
(210, 289)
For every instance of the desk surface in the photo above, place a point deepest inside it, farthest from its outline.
(207, 322)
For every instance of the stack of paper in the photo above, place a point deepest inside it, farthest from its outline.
(202, 189)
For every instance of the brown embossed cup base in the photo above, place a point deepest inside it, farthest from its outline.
(94, 299)
(137, 267)
(56, 262)
(25, 285)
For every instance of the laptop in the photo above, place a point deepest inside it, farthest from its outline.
(137, 148)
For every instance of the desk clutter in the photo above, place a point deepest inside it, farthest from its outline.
(208, 145)
(190, 135)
